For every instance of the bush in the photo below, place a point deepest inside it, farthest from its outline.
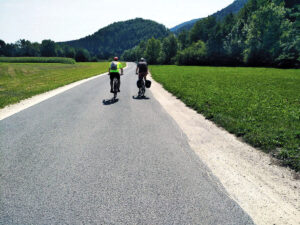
(82, 55)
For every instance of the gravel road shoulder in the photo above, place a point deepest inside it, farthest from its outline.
(267, 192)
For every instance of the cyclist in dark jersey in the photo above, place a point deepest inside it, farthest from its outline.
(142, 69)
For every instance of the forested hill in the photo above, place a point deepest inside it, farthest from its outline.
(234, 8)
(117, 37)
(184, 26)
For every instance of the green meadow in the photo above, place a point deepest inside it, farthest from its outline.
(23, 80)
(261, 105)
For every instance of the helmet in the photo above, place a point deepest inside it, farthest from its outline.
(116, 58)
(142, 59)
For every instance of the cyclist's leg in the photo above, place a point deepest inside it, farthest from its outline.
(111, 75)
(142, 78)
(119, 81)
(139, 78)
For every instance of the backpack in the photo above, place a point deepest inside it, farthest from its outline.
(114, 66)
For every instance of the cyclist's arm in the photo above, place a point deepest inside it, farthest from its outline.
(121, 71)
(137, 68)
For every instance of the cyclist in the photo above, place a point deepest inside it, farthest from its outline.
(142, 69)
(114, 71)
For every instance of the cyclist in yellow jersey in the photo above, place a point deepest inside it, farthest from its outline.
(114, 71)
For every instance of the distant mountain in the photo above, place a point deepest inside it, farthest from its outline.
(184, 26)
(232, 8)
(117, 37)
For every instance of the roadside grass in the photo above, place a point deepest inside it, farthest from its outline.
(19, 81)
(261, 105)
(37, 60)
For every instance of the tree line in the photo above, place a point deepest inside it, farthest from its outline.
(47, 48)
(106, 43)
(263, 33)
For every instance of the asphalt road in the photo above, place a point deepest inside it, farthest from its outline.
(77, 159)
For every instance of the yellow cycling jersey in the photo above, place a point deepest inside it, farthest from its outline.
(119, 66)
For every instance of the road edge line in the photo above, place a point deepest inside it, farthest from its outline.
(12, 109)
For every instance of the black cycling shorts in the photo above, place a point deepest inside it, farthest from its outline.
(113, 75)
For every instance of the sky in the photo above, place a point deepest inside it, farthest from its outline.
(64, 20)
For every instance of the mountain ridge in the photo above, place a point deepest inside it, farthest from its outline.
(234, 8)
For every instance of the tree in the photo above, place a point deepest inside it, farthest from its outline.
(153, 50)
(234, 43)
(2, 47)
(215, 48)
(202, 29)
(169, 49)
(82, 55)
(59, 50)
(10, 50)
(135, 53)
(183, 39)
(289, 46)
(48, 48)
(193, 55)
(26, 48)
(35, 49)
(69, 52)
(263, 36)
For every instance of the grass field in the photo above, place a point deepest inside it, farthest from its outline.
(37, 60)
(22, 80)
(261, 105)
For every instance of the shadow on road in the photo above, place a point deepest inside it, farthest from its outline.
(110, 101)
(140, 98)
